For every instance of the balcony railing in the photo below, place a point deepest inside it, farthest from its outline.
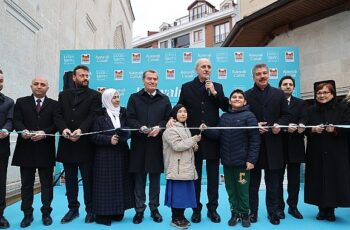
(220, 38)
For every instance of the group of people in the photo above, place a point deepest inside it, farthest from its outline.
(263, 128)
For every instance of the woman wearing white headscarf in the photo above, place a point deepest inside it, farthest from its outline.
(112, 186)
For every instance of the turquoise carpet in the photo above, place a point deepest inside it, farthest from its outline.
(14, 215)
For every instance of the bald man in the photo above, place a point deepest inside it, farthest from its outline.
(35, 149)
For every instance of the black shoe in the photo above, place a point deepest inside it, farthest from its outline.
(233, 220)
(138, 218)
(330, 215)
(214, 216)
(47, 220)
(156, 216)
(90, 218)
(321, 215)
(4, 223)
(245, 220)
(70, 215)
(196, 217)
(179, 223)
(274, 219)
(27, 220)
(281, 215)
(118, 217)
(253, 217)
(105, 220)
(295, 213)
(187, 222)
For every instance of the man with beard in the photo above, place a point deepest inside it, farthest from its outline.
(6, 115)
(293, 148)
(270, 107)
(34, 117)
(75, 114)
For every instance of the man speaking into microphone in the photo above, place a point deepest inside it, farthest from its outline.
(203, 99)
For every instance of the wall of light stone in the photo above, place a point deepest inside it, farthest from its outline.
(32, 33)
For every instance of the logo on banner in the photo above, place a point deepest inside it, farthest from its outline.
(239, 57)
(222, 73)
(187, 57)
(85, 59)
(289, 56)
(170, 74)
(273, 73)
(118, 75)
(136, 58)
(101, 89)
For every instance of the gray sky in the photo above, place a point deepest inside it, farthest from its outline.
(150, 14)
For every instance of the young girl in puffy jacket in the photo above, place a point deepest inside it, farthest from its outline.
(239, 150)
(178, 149)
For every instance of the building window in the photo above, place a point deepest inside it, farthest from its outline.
(198, 12)
(221, 32)
(181, 42)
(197, 36)
(163, 44)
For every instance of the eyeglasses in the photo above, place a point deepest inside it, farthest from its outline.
(322, 93)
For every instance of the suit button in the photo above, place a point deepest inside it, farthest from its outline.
(202, 103)
(73, 109)
(72, 120)
(202, 111)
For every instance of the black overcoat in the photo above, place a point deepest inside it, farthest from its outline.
(6, 117)
(76, 110)
(327, 174)
(294, 143)
(112, 187)
(202, 108)
(30, 153)
(142, 110)
(271, 109)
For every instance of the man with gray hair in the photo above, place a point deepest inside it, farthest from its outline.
(203, 99)
(6, 115)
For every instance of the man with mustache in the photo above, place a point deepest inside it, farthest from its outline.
(203, 99)
(75, 114)
(270, 107)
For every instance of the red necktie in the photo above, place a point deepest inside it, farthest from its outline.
(38, 105)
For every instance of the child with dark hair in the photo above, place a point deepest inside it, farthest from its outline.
(178, 149)
(239, 149)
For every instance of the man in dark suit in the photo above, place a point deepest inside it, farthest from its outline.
(34, 118)
(147, 110)
(203, 100)
(75, 114)
(293, 148)
(271, 109)
(6, 115)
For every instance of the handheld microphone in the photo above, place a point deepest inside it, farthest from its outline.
(208, 90)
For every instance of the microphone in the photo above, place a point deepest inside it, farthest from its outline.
(208, 90)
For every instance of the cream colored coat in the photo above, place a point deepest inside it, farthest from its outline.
(178, 152)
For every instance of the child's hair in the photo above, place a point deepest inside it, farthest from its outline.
(174, 111)
(239, 91)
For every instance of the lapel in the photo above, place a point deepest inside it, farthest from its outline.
(46, 102)
(195, 89)
(292, 102)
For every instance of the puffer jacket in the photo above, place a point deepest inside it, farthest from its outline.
(237, 146)
(178, 153)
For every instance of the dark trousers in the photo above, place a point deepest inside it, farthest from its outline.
(140, 194)
(177, 213)
(3, 176)
(27, 185)
(212, 167)
(71, 177)
(272, 186)
(293, 187)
